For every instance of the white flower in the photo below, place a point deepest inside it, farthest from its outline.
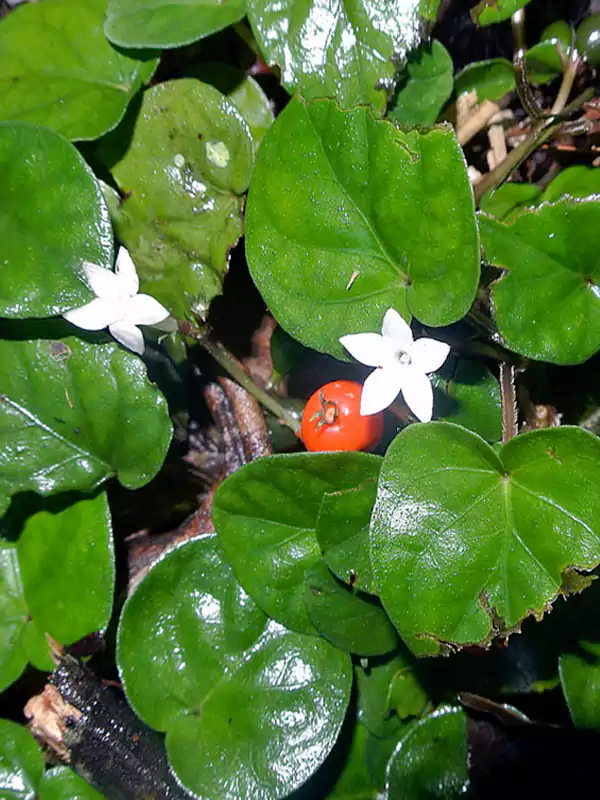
(402, 366)
(117, 305)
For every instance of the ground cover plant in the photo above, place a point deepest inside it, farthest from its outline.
(299, 398)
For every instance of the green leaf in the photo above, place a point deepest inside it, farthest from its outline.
(250, 709)
(57, 69)
(510, 199)
(72, 414)
(21, 764)
(355, 782)
(469, 395)
(389, 692)
(343, 532)
(57, 579)
(335, 192)
(168, 23)
(580, 679)
(13, 618)
(61, 783)
(488, 12)
(52, 218)
(427, 85)
(265, 515)
(491, 79)
(466, 543)
(550, 255)
(577, 181)
(67, 568)
(431, 760)
(354, 622)
(183, 177)
(243, 91)
(343, 50)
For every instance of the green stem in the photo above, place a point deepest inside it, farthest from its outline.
(237, 372)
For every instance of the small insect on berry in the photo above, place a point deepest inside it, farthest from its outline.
(332, 420)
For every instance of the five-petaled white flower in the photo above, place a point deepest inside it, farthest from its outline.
(403, 365)
(117, 305)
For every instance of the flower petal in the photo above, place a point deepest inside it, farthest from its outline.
(92, 316)
(427, 355)
(145, 310)
(380, 389)
(397, 329)
(418, 394)
(128, 335)
(129, 283)
(103, 282)
(368, 348)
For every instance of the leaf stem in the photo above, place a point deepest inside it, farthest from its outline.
(224, 358)
(508, 396)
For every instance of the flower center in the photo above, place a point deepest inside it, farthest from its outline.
(403, 357)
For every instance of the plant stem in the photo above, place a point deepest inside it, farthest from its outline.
(224, 358)
(509, 402)
(567, 84)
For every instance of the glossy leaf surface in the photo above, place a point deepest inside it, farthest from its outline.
(265, 515)
(431, 760)
(52, 219)
(250, 709)
(427, 84)
(351, 621)
(343, 532)
(13, 618)
(337, 192)
(466, 543)
(21, 764)
(487, 12)
(552, 277)
(575, 181)
(183, 177)
(342, 49)
(70, 417)
(57, 69)
(168, 23)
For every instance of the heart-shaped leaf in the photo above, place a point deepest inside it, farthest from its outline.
(343, 532)
(57, 69)
(354, 622)
(552, 277)
(74, 413)
(431, 760)
(265, 515)
(168, 23)
(345, 50)
(338, 211)
(427, 84)
(487, 12)
(465, 543)
(52, 218)
(182, 176)
(250, 709)
(58, 579)
(21, 763)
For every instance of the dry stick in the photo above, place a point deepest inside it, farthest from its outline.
(508, 396)
(477, 121)
(237, 372)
